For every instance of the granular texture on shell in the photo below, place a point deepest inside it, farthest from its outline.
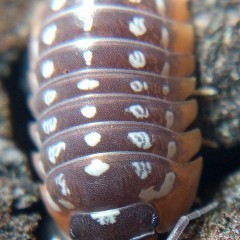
(109, 90)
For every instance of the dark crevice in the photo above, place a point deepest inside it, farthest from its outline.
(17, 90)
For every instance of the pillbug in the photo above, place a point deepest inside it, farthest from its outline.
(109, 82)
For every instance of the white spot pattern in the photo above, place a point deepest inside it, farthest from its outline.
(138, 111)
(89, 111)
(165, 37)
(96, 168)
(49, 96)
(49, 125)
(41, 167)
(47, 68)
(135, 1)
(87, 20)
(106, 217)
(142, 169)
(34, 47)
(55, 150)
(37, 138)
(88, 84)
(57, 4)
(61, 181)
(166, 90)
(138, 86)
(92, 139)
(149, 194)
(140, 139)
(169, 119)
(161, 7)
(66, 204)
(85, 14)
(88, 55)
(51, 202)
(49, 34)
(172, 149)
(137, 26)
(84, 44)
(166, 69)
(137, 59)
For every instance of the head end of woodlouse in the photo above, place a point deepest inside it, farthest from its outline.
(136, 221)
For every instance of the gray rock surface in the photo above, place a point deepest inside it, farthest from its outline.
(217, 26)
(18, 191)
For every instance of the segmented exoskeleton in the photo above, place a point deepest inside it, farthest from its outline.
(109, 80)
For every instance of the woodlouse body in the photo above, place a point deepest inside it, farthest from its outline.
(109, 79)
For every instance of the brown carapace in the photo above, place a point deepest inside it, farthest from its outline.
(109, 80)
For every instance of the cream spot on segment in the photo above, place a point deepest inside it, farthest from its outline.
(92, 139)
(49, 96)
(166, 90)
(135, 1)
(89, 111)
(161, 7)
(166, 69)
(142, 169)
(57, 4)
(140, 139)
(47, 68)
(137, 26)
(41, 168)
(37, 138)
(172, 149)
(85, 13)
(54, 151)
(52, 203)
(86, 18)
(49, 34)
(88, 56)
(150, 194)
(169, 119)
(61, 181)
(49, 125)
(145, 86)
(106, 217)
(96, 168)
(137, 59)
(138, 111)
(84, 44)
(34, 48)
(165, 37)
(33, 83)
(66, 204)
(138, 86)
(167, 184)
(88, 84)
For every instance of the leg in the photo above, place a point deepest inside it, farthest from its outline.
(184, 220)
